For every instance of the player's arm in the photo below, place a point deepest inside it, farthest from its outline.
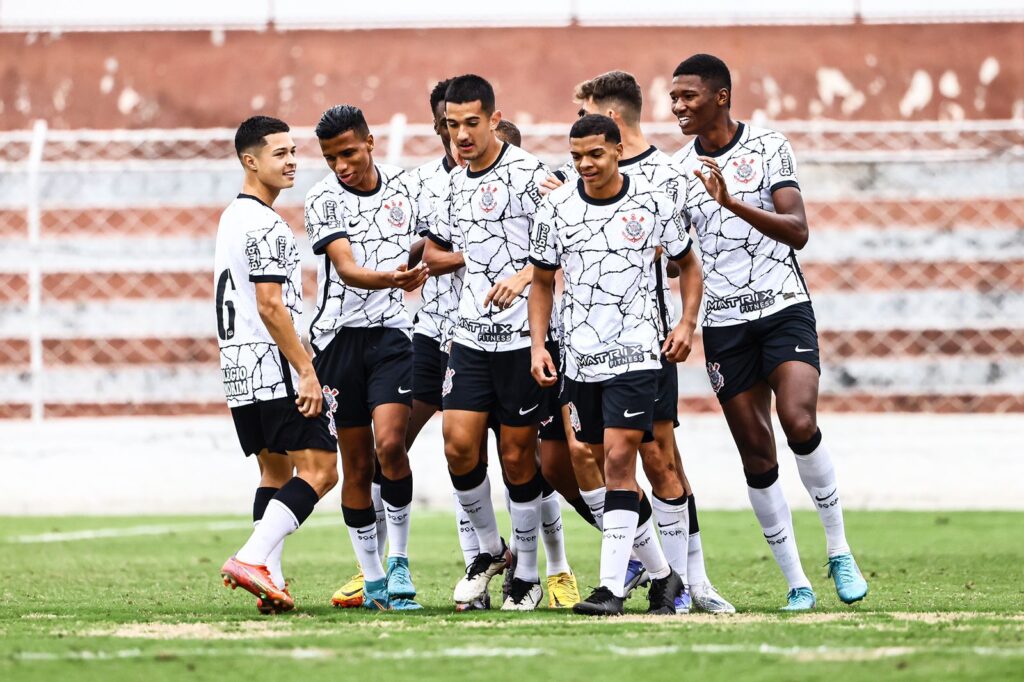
(691, 290)
(270, 304)
(787, 224)
(539, 305)
(354, 275)
(671, 268)
(416, 252)
(505, 292)
(440, 258)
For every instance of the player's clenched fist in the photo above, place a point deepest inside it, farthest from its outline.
(542, 367)
(310, 400)
(678, 344)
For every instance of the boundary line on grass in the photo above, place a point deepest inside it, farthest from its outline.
(136, 531)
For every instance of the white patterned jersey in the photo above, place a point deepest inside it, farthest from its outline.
(440, 294)
(747, 275)
(489, 216)
(253, 245)
(606, 249)
(379, 226)
(661, 171)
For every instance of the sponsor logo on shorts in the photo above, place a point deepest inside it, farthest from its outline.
(396, 212)
(715, 375)
(747, 303)
(634, 230)
(629, 415)
(529, 410)
(798, 349)
(614, 357)
(446, 386)
(331, 401)
(574, 417)
(497, 332)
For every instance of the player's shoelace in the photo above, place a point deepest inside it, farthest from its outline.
(519, 590)
(842, 567)
(480, 564)
(601, 595)
(659, 593)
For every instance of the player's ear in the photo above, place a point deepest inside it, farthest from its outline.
(495, 119)
(723, 97)
(619, 149)
(369, 142)
(249, 162)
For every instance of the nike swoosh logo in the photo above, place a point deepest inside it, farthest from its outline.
(470, 504)
(615, 528)
(570, 236)
(353, 223)
(667, 525)
(522, 411)
(776, 535)
(464, 522)
(392, 511)
(627, 414)
(549, 525)
(403, 391)
(798, 349)
(822, 499)
(524, 532)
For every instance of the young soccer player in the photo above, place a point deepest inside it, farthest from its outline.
(603, 231)
(760, 336)
(269, 381)
(360, 220)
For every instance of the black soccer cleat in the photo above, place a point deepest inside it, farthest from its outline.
(662, 594)
(601, 602)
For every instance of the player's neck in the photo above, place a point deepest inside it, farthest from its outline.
(369, 181)
(608, 190)
(253, 187)
(718, 134)
(487, 159)
(633, 142)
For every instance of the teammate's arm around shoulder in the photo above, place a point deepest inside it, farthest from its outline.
(270, 304)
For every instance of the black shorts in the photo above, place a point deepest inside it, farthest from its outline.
(740, 355)
(623, 402)
(278, 426)
(666, 404)
(499, 383)
(552, 427)
(368, 367)
(429, 363)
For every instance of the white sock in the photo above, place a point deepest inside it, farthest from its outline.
(554, 539)
(819, 477)
(467, 536)
(616, 545)
(398, 529)
(648, 551)
(525, 530)
(364, 542)
(695, 569)
(278, 522)
(776, 521)
(595, 500)
(476, 502)
(382, 522)
(274, 562)
(511, 536)
(674, 528)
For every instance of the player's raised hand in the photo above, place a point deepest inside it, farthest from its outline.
(713, 180)
(550, 185)
(542, 368)
(504, 293)
(678, 344)
(410, 279)
(310, 400)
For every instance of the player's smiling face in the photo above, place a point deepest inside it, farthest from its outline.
(596, 160)
(441, 126)
(471, 128)
(694, 104)
(350, 157)
(274, 162)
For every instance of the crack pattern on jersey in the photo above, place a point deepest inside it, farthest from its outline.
(253, 245)
(747, 275)
(379, 226)
(440, 294)
(660, 170)
(489, 216)
(606, 251)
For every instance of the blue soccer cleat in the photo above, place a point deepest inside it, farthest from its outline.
(684, 602)
(375, 595)
(636, 576)
(800, 599)
(401, 591)
(850, 584)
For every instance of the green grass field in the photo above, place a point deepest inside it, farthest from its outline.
(946, 601)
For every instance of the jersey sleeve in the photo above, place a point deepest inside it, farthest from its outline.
(544, 239)
(440, 225)
(266, 251)
(323, 220)
(531, 199)
(423, 205)
(674, 238)
(781, 171)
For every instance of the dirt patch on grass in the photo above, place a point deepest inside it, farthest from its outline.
(202, 631)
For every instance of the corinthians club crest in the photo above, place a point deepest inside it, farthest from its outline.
(634, 230)
(743, 169)
(488, 202)
(396, 212)
(717, 380)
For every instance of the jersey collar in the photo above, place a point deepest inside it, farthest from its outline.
(732, 143)
(639, 157)
(243, 195)
(359, 192)
(478, 174)
(603, 202)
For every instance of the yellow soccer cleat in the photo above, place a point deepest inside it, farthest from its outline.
(350, 595)
(562, 591)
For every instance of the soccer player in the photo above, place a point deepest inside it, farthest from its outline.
(617, 95)
(269, 381)
(603, 231)
(360, 220)
(491, 204)
(507, 131)
(760, 337)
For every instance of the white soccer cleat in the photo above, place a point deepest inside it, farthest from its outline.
(706, 598)
(473, 586)
(523, 596)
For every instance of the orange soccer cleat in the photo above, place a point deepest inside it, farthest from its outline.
(256, 580)
(267, 608)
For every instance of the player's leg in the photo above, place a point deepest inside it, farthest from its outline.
(276, 468)
(378, 510)
(556, 468)
(587, 467)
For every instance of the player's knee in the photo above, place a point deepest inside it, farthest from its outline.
(390, 450)
(581, 456)
(799, 426)
(519, 465)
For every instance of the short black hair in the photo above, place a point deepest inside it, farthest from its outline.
(254, 130)
(437, 94)
(617, 86)
(341, 119)
(596, 124)
(709, 68)
(509, 132)
(471, 88)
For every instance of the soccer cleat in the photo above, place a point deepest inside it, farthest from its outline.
(601, 602)
(478, 605)
(562, 591)
(473, 585)
(375, 595)
(706, 598)
(522, 596)
(256, 580)
(350, 595)
(850, 584)
(267, 608)
(662, 594)
(800, 599)
(401, 591)
(506, 583)
(684, 601)
(636, 576)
